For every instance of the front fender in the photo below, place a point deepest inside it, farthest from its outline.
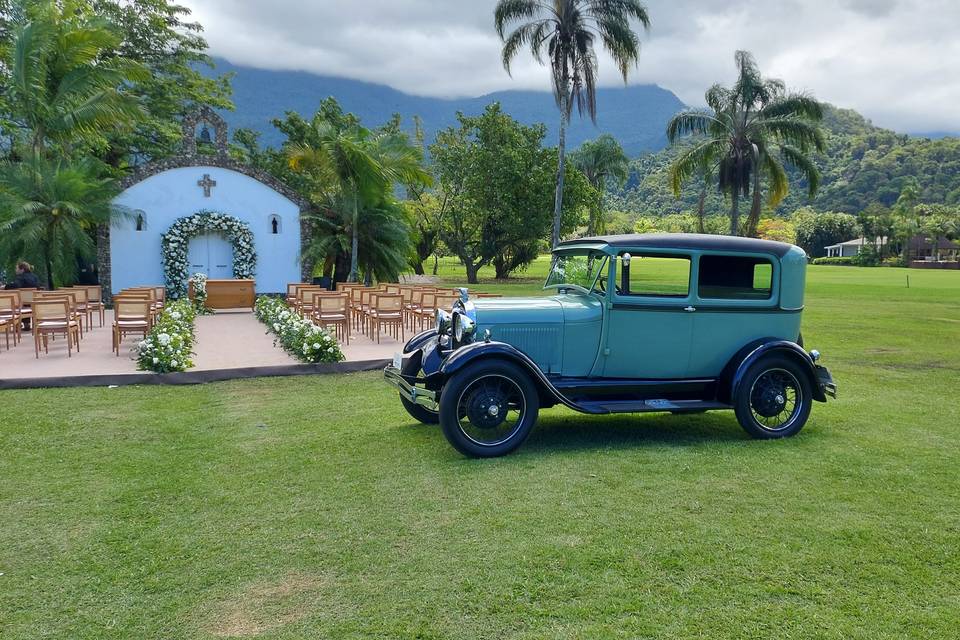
(737, 368)
(419, 341)
(463, 356)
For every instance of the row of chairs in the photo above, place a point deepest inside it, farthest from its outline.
(68, 311)
(371, 310)
(135, 311)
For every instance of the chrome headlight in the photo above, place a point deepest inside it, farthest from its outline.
(463, 328)
(443, 322)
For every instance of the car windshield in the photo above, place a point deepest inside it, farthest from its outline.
(577, 269)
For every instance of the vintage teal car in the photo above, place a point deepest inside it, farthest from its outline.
(681, 323)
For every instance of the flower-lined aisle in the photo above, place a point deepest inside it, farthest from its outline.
(299, 337)
(169, 345)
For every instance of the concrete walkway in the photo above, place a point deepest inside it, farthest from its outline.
(232, 339)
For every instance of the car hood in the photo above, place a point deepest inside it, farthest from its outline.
(535, 311)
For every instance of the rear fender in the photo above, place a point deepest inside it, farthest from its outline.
(736, 369)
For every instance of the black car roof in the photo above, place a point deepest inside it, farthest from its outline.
(686, 241)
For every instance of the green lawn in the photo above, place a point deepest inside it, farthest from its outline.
(315, 508)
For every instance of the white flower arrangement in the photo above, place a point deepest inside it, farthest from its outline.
(169, 345)
(175, 241)
(199, 282)
(299, 337)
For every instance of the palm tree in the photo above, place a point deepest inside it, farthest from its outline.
(49, 209)
(566, 30)
(749, 132)
(64, 83)
(384, 240)
(603, 162)
(359, 168)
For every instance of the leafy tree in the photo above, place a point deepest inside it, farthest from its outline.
(48, 209)
(818, 230)
(425, 215)
(778, 229)
(353, 167)
(64, 85)
(495, 182)
(566, 30)
(750, 132)
(604, 164)
(158, 35)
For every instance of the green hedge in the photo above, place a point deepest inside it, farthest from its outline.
(848, 261)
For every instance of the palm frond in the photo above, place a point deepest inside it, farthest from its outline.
(799, 160)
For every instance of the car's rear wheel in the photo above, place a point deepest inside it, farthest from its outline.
(412, 368)
(488, 409)
(774, 398)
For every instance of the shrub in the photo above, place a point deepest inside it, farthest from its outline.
(847, 261)
(300, 338)
(818, 230)
(169, 345)
(779, 229)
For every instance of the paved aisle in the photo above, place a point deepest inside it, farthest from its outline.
(233, 339)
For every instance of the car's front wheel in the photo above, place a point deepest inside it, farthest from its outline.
(774, 398)
(488, 409)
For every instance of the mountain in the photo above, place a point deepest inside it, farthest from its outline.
(636, 115)
(862, 165)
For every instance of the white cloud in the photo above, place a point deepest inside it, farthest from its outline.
(896, 61)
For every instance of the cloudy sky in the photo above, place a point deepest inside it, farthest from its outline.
(896, 61)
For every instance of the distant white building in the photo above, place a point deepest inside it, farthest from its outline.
(851, 248)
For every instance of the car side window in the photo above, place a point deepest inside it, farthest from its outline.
(735, 278)
(662, 276)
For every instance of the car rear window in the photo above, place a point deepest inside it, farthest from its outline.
(735, 278)
(659, 276)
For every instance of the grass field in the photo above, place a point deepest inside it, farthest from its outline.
(315, 508)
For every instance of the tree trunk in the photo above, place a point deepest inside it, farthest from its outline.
(501, 268)
(471, 271)
(418, 267)
(561, 168)
(700, 207)
(735, 212)
(355, 241)
(436, 263)
(755, 208)
(48, 264)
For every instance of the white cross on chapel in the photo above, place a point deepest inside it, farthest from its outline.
(207, 184)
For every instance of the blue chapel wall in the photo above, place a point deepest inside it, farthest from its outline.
(135, 256)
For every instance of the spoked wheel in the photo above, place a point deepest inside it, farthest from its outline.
(411, 368)
(488, 409)
(774, 399)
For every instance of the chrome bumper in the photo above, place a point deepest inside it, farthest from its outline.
(423, 397)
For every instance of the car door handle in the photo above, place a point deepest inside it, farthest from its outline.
(689, 309)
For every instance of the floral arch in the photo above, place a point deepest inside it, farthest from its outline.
(176, 240)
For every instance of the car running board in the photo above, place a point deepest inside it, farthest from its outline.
(647, 406)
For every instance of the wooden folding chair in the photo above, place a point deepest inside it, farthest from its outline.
(386, 310)
(52, 316)
(83, 305)
(95, 300)
(130, 316)
(292, 291)
(10, 314)
(5, 325)
(333, 309)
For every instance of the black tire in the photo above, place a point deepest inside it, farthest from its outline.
(773, 383)
(468, 416)
(411, 368)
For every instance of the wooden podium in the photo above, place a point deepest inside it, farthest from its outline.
(229, 294)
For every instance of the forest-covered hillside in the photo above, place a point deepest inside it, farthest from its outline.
(863, 164)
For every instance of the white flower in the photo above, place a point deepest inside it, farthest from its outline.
(175, 315)
(156, 360)
(173, 363)
(316, 345)
(163, 339)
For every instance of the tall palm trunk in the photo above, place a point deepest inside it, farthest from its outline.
(355, 241)
(561, 166)
(735, 212)
(755, 208)
(700, 207)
